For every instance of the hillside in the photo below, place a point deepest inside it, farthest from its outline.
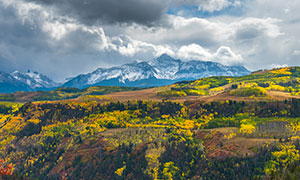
(144, 139)
(255, 85)
(62, 93)
(146, 136)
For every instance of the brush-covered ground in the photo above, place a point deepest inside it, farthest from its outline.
(253, 133)
(63, 93)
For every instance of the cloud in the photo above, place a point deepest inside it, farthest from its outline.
(209, 5)
(215, 5)
(223, 54)
(296, 52)
(209, 33)
(194, 51)
(250, 28)
(146, 12)
(34, 38)
(272, 66)
(127, 46)
(226, 56)
(40, 36)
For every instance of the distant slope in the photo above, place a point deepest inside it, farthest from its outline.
(63, 93)
(163, 70)
(254, 85)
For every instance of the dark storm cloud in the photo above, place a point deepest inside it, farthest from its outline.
(146, 12)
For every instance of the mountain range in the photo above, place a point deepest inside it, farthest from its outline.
(160, 71)
(163, 70)
(29, 81)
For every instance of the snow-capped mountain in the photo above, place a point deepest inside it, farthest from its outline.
(34, 80)
(30, 81)
(163, 70)
(165, 67)
(9, 84)
(131, 74)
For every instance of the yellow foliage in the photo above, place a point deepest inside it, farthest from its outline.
(217, 89)
(250, 85)
(275, 87)
(247, 129)
(286, 71)
(230, 136)
(120, 170)
(294, 128)
(203, 87)
(165, 116)
(288, 154)
(152, 156)
(170, 170)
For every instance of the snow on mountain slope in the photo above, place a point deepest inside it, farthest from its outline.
(162, 68)
(126, 73)
(9, 84)
(34, 80)
(200, 69)
(166, 67)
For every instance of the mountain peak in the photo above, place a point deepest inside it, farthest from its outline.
(164, 60)
(34, 79)
(165, 56)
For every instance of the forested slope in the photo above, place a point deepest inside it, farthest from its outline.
(150, 140)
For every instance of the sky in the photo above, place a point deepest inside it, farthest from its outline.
(64, 38)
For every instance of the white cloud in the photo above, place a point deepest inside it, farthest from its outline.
(223, 54)
(296, 52)
(194, 51)
(215, 5)
(127, 46)
(226, 56)
(210, 5)
(272, 66)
